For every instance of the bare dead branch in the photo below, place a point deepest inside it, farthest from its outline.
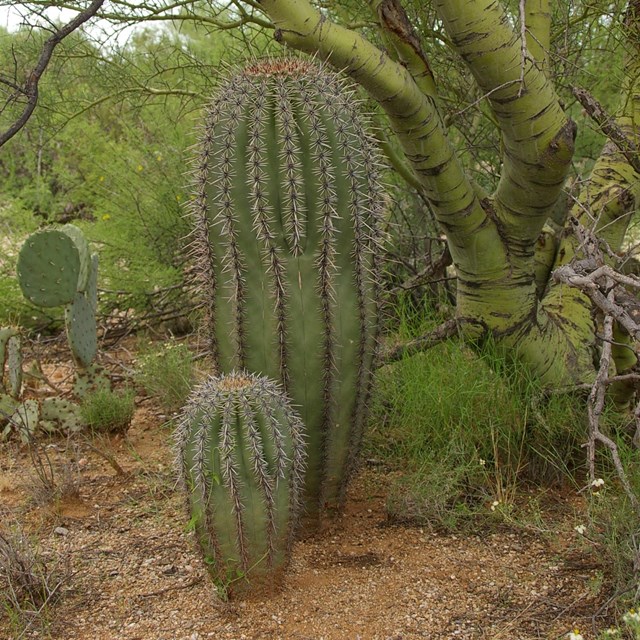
(441, 333)
(30, 88)
(592, 284)
(609, 127)
(605, 287)
(123, 12)
(595, 408)
(424, 276)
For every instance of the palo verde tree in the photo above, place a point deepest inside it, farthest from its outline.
(503, 253)
(524, 253)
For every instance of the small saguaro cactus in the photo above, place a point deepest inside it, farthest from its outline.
(55, 268)
(286, 215)
(241, 456)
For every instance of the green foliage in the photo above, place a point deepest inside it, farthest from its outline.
(467, 428)
(107, 411)
(107, 148)
(613, 525)
(166, 371)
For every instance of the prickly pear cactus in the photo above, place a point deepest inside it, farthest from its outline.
(55, 268)
(25, 417)
(10, 378)
(10, 363)
(49, 268)
(286, 216)
(241, 456)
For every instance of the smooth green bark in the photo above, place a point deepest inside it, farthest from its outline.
(502, 260)
(538, 30)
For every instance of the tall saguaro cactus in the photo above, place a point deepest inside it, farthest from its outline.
(286, 232)
(242, 455)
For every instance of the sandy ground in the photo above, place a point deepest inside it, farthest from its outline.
(136, 575)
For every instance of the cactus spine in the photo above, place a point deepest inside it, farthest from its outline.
(286, 231)
(55, 268)
(241, 455)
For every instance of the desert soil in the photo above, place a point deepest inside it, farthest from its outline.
(135, 573)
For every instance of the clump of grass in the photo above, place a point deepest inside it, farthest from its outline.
(30, 582)
(168, 373)
(106, 411)
(612, 523)
(467, 428)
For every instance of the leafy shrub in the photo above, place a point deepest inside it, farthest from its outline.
(106, 411)
(168, 373)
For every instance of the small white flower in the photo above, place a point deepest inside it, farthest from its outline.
(494, 504)
(597, 483)
(482, 462)
(575, 635)
(633, 617)
(581, 529)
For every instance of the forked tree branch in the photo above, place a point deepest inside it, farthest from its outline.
(538, 30)
(30, 88)
(403, 38)
(537, 135)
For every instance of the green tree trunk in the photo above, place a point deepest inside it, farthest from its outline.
(502, 251)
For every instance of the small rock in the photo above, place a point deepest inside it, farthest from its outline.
(61, 531)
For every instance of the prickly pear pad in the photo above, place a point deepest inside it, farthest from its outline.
(49, 268)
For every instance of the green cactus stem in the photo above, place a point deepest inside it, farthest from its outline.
(58, 415)
(286, 215)
(25, 419)
(241, 456)
(10, 362)
(84, 253)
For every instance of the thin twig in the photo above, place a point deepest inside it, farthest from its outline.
(441, 333)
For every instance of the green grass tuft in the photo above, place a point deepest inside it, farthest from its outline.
(468, 429)
(108, 411)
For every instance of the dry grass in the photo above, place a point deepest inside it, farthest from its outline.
(30, 580)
